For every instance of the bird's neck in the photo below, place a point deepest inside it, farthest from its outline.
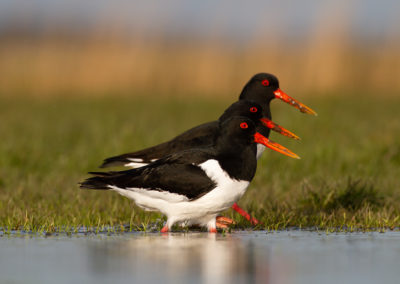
(239, 162)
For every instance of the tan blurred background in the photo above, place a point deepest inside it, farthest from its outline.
(67, 47)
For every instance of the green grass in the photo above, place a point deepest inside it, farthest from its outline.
(348, 177)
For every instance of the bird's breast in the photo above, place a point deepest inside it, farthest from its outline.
(228, 190)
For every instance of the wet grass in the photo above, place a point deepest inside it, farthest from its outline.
(347, 179)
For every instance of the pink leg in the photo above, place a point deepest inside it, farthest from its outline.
(223, 222)
(246, 215)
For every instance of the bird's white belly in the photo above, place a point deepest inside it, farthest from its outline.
(212, 203)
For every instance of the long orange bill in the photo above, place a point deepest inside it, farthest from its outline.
(258, 138)
(279, 94)
(275, 127)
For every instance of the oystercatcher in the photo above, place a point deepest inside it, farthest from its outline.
(192, 186)
(262, 89)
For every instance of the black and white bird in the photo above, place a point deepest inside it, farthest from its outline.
(192, 186)
(262, 89)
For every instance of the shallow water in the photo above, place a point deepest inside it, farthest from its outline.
(240, 257)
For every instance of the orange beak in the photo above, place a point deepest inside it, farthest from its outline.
(275, 127)
(279, 94)
(258, 138)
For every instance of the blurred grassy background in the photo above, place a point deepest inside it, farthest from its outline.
(180, 47)
(83, 81)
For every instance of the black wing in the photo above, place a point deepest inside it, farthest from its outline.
(177, 173)
(199, 136)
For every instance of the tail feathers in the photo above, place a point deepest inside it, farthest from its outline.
(103, 180)
(97, 182)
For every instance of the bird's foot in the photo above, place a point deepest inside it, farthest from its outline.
(212, 230)
(164, 229)
(223, 222)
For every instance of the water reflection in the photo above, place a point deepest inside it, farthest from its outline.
(240, 257)
(198, 257)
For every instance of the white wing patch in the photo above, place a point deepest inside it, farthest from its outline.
(135, 165)
(135, 160)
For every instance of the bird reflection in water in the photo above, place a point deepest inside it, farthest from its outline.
(180, 258)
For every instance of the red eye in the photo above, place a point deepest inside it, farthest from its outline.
(244, 125)
(253, 109)
(265, 82)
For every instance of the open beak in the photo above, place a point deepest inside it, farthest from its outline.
(275, 127)
(279, 94)
(258, 138)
